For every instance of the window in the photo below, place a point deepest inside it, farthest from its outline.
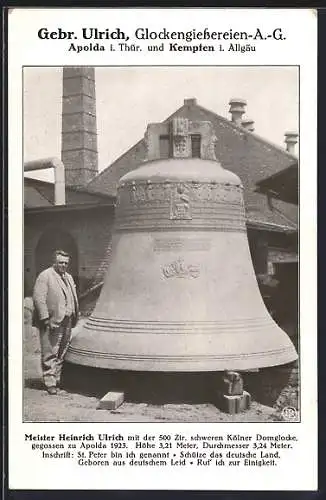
(195, 145)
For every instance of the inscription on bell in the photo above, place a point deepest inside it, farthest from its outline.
(180, 204)
(178, 244)
(179, 269)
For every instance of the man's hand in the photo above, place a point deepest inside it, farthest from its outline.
(45, 322)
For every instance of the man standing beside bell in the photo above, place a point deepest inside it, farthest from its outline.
(56, 305)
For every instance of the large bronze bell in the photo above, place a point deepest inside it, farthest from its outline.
(180, 293)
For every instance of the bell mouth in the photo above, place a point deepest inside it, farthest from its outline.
(181, 346)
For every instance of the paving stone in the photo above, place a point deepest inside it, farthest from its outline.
(111, 401)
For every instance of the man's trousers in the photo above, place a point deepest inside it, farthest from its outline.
(54, 345)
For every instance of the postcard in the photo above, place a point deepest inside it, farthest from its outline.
(162, 249)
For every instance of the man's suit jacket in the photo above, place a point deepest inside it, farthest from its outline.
(49, 296)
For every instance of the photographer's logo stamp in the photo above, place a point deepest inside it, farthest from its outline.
(290, 414)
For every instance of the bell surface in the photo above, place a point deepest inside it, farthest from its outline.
(180, 293)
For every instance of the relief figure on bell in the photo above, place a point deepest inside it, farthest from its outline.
(180, 204)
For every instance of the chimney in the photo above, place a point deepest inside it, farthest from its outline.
(190, 102)
(291, 139)
(237, 109)
(248, 124)
(79, 132)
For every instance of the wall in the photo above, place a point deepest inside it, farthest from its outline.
(90, 229)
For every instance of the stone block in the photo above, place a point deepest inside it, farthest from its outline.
(80, 166)
(77, 122)
(74, 71)
(88, 87)
(79, 103)
(235, 404)
(78, 85)
(111, 401)
(79, 140)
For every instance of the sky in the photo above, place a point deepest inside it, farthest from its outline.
(128, 98)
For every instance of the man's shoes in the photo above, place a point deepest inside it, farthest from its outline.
(52, 390)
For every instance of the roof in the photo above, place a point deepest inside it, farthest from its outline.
(283, 185)
(41, 194)
(34, 198)
(245, 153)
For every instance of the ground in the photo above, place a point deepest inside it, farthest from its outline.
(79, 406)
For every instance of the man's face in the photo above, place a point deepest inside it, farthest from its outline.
(61, 264)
